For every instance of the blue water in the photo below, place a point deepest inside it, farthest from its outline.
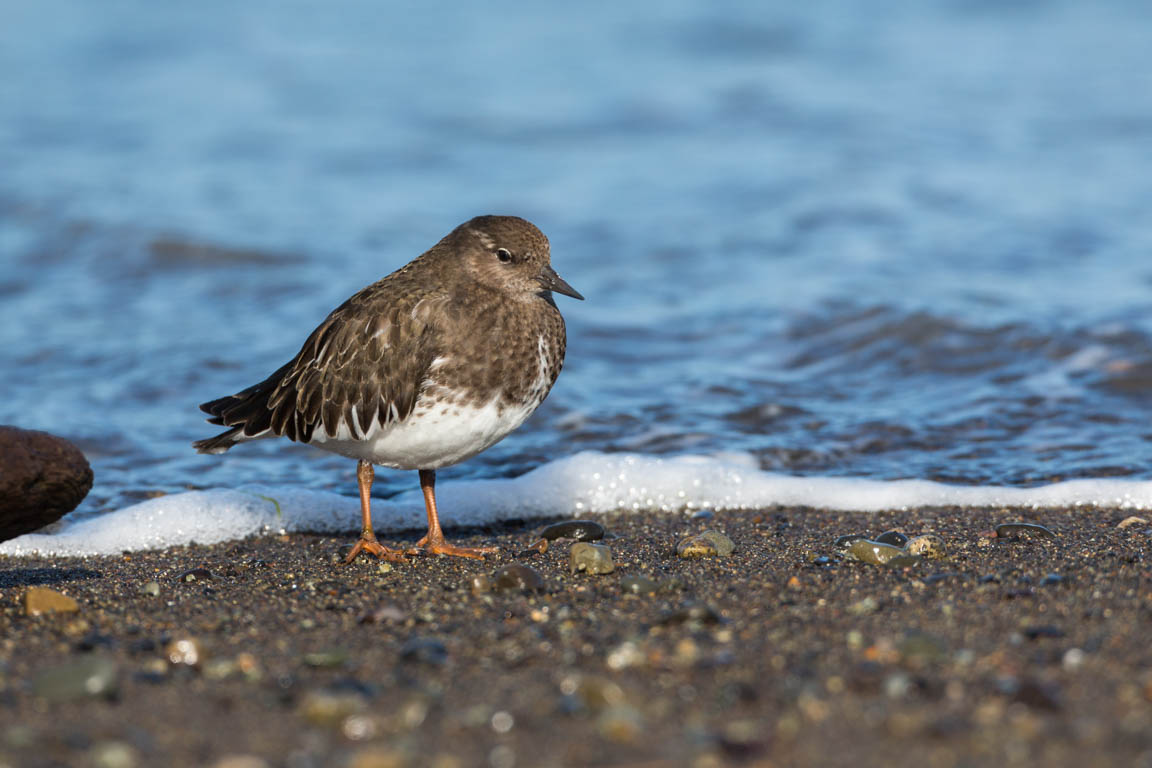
(901, 240)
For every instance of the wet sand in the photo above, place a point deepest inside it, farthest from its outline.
(1026, 651)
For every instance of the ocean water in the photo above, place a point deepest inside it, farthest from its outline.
(818, 241)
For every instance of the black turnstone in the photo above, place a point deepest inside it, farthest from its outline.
(423, 369)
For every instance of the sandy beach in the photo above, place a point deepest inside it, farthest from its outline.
(1009, 651)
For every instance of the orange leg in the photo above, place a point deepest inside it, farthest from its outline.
(433, 542)
(367, 542)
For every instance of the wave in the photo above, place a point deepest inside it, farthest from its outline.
(587, 483)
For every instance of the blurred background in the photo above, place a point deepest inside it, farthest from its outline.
(906, 239)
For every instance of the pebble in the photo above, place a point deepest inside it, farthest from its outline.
(864, 607)
(710, 543)
(241, 761)
(114, 754)
(581, 530)
(184, 651)
(1051, 579)
(329, 708)
(895, 538)
(591, 558)
(194, 575)
(517, 577)
(480, 584)
(693, 613)
(621, 724)
(1015, 530)
(151, 588)
(592, 693)
(328, 658)
(842, 542)
(1133, 520)
(89, 676)
(424, 650)
(638, 584)
(929, 546)
(881, 554)
(40, 600)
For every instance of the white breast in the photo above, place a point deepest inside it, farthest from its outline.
(440, 431)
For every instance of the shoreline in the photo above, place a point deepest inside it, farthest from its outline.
(1027, 651)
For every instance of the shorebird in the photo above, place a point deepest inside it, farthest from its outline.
(421, 370)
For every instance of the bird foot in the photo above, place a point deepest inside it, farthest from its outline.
(442, 547)
(368, 543)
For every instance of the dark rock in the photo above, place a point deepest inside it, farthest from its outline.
(42, 478)
(1023, 530)
(194, 575)
(581, 530)
(843, 542)
(895, 538)
(693, 613)
(1051, 579)
(1043, 630)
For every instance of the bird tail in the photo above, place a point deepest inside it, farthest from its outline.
(220, 442)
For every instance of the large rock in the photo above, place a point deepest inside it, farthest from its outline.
(42, 478)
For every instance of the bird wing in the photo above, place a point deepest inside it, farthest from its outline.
(367, 362)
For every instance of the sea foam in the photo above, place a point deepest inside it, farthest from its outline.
(584, 484)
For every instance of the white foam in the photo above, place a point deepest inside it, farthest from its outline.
(587, 483)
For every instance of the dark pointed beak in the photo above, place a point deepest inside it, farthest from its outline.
(553, 282)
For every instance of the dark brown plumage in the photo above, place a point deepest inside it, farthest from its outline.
(423, 368)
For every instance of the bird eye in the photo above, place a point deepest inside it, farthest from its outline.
(504, 255)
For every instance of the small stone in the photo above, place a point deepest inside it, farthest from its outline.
(538, 547)
(843, 542)
(194, 575)
(592, 558)
(219, 669)
(517, 578)
(625, 655)
(241, 761)
(185, 651)
(40, 600)
(710, 543)
(382, 614)
(621, 724)
(329, 658)
(480, 584)
(424, 650)
(114, 754)
(1133, 520)
(1025, 530)
(591, 693)
(1051, 579)
(881, 554)
(929, 546)
(87, 677)
(693, 613)
(638, 584)
(329, 708)
(151, 588)
(895, 538)
(864, 607)
(379, 757)
(581, 530)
